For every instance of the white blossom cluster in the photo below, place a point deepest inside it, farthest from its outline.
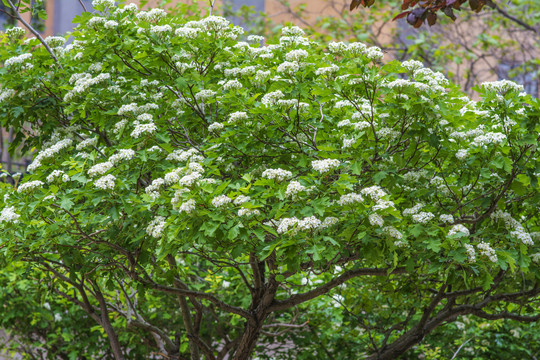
(55, 41)
(489, 138)
(485, 249)
(349, 199)
(446, 218)
(6, 94)
(17, 60)
(106, 182)
(57, 174)
(376, 220)
(462, 154)
(153, 189)
(324, 166)
(412, 65)
(502, 86)
(29, 186)
(393, 232)
(100, 169)
(205, 95)
(215, 126)
(187, 207)
(296, 55)
(122, 155)
(294, 188)
(458, 228)
(221, 200)
(518, 231)
(423, 217)
(375, 192)
(276, 174)
(184, 155)
(232, 85)
(271, 97)
(240, 199)
(288, 68)
(327, 71)
(414, 210)
(8, 214)
(152, 15)
(82, 85)
(248, 212)
(471, 253)
(86, 143)
(105, 3)
(15, 32)
(237, 116)
(134, 109)
(156, 227)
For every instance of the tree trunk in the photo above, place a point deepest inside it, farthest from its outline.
(249, 339)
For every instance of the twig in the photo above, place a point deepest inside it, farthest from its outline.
(492, 5)
(33, 31)
(83, 6)
(459, 348)
(212, 7)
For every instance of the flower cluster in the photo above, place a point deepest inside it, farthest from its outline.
(29, 186)
(349, 199)
(221, 200)
(485, 249)
(8, 214)
(294, 188)
(57, 173)
(471, 253)
(122, 155)
(156, 226)
(276, 174)
(106, 182)
(100, 169)
(458, 228)
(324, 166)
(518, 231)
(423, 217)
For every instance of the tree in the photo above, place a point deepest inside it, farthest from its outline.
(220, 198)
(427, 10)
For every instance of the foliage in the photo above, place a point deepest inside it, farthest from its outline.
(221, 198)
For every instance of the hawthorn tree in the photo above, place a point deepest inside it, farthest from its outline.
(224, 199)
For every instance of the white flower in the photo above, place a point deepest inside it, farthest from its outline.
(8, 214)
(15, 32)
(17, 60)
(414, 210)
(232, 84)
(57, 173)
(285, 224)
(502, 86)
(309, 223)
(29, 186)
(255, 39)
(296, 55)
(522, 236)
(122, 155)
(288, 67)
(240, 199)
(393, 232)
(375, 192)
(87, 142)
(100, 169)
(221, 200)
(376, 219)
(276, 174)
(271, 97)
(329, 221)
(215, 126)
(485, 249)
(294, 188)
(236, 116)
(470, 252)
(324, 166)
(423, 217)
(248, 212)
(190, 179)
(140, 129)
(445, 218)
(462, 154)
(155, 228)
(205, 95)
(374, 53)
(412, 65)
(330, 70)
(459, 228)
(187, 207)
(292, 31)
(348, 143)
(489, 138)
(349, 199)
(106, 182)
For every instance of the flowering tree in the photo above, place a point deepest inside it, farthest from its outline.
(209, 193)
